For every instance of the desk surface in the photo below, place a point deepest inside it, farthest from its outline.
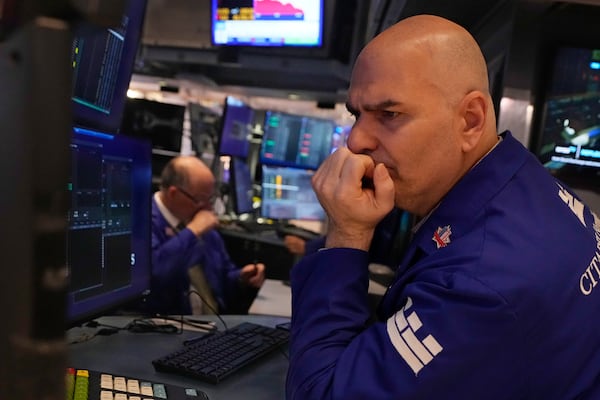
(130, 354)
(275, 298)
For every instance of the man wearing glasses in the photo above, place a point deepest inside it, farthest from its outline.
(187, 251)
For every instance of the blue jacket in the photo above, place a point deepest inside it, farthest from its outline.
(497, 297)
(173, 254)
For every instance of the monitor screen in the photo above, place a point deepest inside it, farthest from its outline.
(241, 185)
(267, 23)
(108, 238)
(161, 123)
(287, 193)
(569, 139)
(296, 140)
(236, 128)
(102, 61)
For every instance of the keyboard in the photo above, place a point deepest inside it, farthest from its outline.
(84, 384)
(215, 356)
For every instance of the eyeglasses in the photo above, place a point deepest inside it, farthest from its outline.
(206, 200)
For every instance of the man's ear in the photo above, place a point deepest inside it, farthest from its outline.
(171, 191)
(474, 109)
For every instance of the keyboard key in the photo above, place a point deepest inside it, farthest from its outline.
(133, 386)
(146, 389)
(120, 383)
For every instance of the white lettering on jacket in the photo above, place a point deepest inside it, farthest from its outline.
(591, 276)
(575, 205)
(401, 328)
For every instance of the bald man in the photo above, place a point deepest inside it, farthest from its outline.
(187, 249)
(497, 294)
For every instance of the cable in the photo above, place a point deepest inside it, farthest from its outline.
(85, 337)
(184, 321)
(208, 305)
(144, 325)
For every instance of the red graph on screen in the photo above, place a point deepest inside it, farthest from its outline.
(271, 9)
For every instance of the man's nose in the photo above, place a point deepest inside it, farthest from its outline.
(362, 138)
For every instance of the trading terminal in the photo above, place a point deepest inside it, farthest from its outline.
(81, 335)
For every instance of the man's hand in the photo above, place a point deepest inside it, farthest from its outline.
(356, 194)
(294, 244)
(203, 221)
(253, 274)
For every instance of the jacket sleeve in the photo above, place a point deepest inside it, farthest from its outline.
(435, 346)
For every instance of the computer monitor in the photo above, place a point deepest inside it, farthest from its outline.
(287, 193)
(204, 129)
(295, 140)
(568, 135)
(108, 238)
(102, 61)
(161, 123)
(240, 180)
(236, 128)
(267, 23)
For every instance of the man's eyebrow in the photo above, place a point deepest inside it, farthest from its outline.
(382, 105)
(374, 107)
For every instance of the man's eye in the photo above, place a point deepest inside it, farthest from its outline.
(389, 114)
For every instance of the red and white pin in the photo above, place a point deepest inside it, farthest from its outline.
(441, 237)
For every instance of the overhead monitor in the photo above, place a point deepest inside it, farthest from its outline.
(296, 140)
(568, 139)
(102, 61)
(108, 239)
(287, 193)
(161, 123)
(240, 179)
(236, 128)
(267, 23)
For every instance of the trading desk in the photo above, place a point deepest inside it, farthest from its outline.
(130, 354)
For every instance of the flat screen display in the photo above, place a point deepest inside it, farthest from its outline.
(296, 140)
(108, 237)
(236, 128)
(569, 140)
(267, 23)
(287, 193)
(102, 61)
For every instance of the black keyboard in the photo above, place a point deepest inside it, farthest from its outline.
(215, 356)
(84, 384)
